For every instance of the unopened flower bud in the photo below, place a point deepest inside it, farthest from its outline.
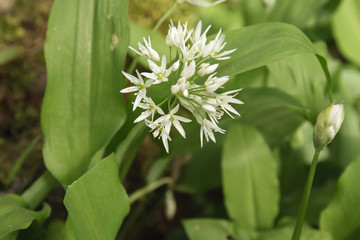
(327, 125)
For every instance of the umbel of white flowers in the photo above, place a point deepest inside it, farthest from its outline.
(201, 3)
(191, 80)
(327, 125)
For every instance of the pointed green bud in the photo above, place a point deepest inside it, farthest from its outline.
(327, 125)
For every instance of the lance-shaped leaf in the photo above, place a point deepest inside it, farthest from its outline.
(251, 187)
(262, 44)
(345, 25)
(97, 203)
(85, 51)
(342, 217)
(15, 216)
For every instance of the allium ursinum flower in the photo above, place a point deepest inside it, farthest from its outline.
(147, 51)
(139, 88)
(192, 81)
(201, 3)
(327, 125)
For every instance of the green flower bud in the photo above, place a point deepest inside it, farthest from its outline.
(327, 125)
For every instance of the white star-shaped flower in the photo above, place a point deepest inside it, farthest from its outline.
(159, 73)
(150, 107)
(140, 87)
(147, 51)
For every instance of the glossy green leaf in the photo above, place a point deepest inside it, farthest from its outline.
(97, 203)
(205, 229)
(262, 44)
(345, 26)
(301, 77)
(342, 217)
(85, 51)
(15, 216)
(276, 114)
(251, 187)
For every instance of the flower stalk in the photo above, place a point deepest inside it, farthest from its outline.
(305, 197)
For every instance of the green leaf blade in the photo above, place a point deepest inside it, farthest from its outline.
(251, 187)
(97, 203)
(261, 44)
(345, 25)
(15, 216)
(342, 217)
(85, 51)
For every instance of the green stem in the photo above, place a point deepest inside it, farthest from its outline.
(163, 18)
(149, 188)
(34, 195)
(305, 197)
(133, 64)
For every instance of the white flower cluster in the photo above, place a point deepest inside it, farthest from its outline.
(192, 81)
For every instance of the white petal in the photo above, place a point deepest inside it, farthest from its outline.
(137, 101)
(131, 78)
(182, 119)
(130, 89)
(164, 139)
(180, 129)
(142, 116)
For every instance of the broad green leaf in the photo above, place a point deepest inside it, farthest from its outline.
(342, 217)
(265, 43)
(276, 114)
(345, 26)
(301, 77)
(251, 187)
(97, 203)
(206, 229)
(15, 216)
(85, 51)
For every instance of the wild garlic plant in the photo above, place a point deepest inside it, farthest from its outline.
(192, 80)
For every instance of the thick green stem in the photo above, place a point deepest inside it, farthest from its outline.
(149, 188)
(305, 197)
(34, 195)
